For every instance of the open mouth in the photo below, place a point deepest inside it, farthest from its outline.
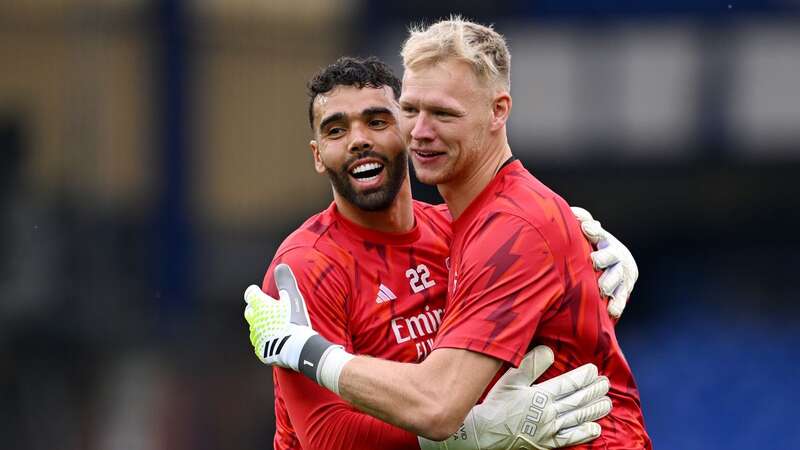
(367, 171)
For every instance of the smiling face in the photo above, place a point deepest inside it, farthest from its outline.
(359, 146)
(446, 117)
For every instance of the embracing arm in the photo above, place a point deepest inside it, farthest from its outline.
(430, 398)
(433, 397)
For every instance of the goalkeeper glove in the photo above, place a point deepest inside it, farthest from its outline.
(281, 334)
(619, 268)
(515, 414)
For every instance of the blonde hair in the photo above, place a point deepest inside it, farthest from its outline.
(483, 48)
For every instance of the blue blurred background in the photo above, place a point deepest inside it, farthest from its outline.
(153, 154)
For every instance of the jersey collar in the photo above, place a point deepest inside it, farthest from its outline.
(378, 237)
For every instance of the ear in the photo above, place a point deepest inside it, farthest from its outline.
(318, 166)
(501, 109)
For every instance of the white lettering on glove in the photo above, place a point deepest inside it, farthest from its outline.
(515, 414)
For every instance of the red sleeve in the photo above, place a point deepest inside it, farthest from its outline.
(325, 422)
(505, 281)
(321, 419)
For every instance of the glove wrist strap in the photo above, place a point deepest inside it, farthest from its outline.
(330, 367)
(311, 355)
(323, 361)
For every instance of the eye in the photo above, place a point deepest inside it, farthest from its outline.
(335, 132)
(378, 123)
(409, 110)
(440, 113)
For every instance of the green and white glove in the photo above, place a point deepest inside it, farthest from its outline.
(517, 414)
(281, 334)
(613, 257)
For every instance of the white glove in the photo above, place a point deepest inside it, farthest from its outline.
(281, 335)
(619, 268)
(515, 414)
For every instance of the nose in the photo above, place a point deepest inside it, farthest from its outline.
(360, 140)
(422, 130)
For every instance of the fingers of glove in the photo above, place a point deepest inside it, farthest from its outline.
(630, 266)
(610, 279)
(257, 309)
(605, 257)
(253, 292)
(582, 397)
(581, 214)
(570, 382)
(288, 290)
(248, 314)
(589, 413)
(593, 230)
(532, 367)
(578, 435)
(257, 313)
(618, 301)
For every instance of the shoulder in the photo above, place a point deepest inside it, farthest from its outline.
(499, 225)
(511, 223)
(312, 269)
(311, 251)
(309, 233)
(525, 197)
(546, 212)
(315, 237)
(506, 220)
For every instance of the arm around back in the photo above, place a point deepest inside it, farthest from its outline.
(430, 399)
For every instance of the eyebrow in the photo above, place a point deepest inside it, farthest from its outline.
(332, 118)
(451, 109)
(375, 110)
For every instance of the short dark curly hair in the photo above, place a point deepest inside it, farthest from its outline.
(351, 71)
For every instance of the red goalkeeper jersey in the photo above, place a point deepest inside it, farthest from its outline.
(377, 294)
(520, 276)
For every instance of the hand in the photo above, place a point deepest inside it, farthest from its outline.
(515, 414)
(279, 329)
(619, 268)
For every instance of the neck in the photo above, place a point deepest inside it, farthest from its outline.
(398, 218)
(461, 192)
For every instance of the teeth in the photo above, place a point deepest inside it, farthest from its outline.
(367, 166)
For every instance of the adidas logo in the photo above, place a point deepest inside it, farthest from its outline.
(384, 295)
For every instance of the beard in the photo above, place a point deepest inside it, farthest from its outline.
(375, 199)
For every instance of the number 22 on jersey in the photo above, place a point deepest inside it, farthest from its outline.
(419, 278)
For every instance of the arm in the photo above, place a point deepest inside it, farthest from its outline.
(430, 398)
(478, 333)
(565, 405)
